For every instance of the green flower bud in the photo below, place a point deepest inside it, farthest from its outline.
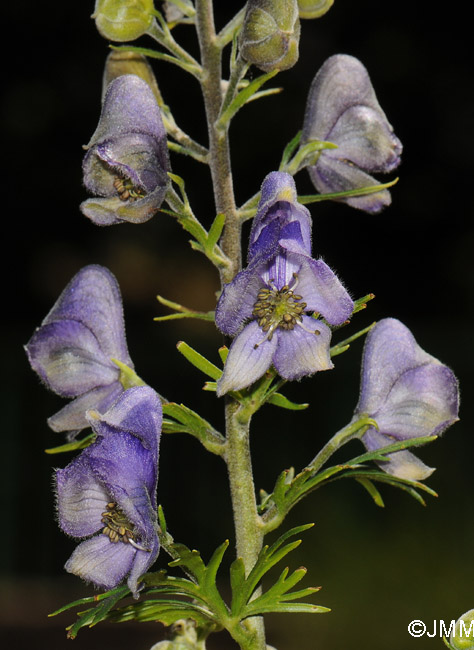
(270, 34)
(120, 62)
(463, 636)
(314, 8)
(123, 20)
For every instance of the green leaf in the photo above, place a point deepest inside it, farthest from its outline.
(290, 149)
(75, 445)
(93, 616)
(344, 345)
(372, 490)
(361, 191)
(182, 312)
(242, 98)
(199, 361)
(277, 399)
(215, 232)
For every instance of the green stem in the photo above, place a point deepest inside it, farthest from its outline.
(248, 525)
(354, 429)
(219, 154)
(248, 532)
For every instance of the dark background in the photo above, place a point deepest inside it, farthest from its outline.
(379, 568)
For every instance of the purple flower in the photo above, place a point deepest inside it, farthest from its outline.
(127, 160)
(266, 304)
(408, 392)
(108, 493)
(73, 349)
(342, 108)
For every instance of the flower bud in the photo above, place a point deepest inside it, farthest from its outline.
(270, 34)
(463, 636)
(314, 8)
(120, 62)
(123, 20)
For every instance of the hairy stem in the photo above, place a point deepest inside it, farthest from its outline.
(219, 154)
(248, 525)
(249, 537)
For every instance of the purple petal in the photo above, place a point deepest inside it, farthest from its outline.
(330, 175)
(93, 298)
(237, 300)
(246, 363)
(341, 82)
(129, 107)
(129, 474)
(73, 416)
(364, 138)
(302, 352)
(390, 351)
(279, 201)
(322, 291)
(403, 464)
(141, 563)
(102, 562)
(68, 357)
(110, 211)
(138, 412)
(82, 498)
(422, 402)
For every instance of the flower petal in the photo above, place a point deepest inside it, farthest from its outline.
(129, 107)
(72, 417)
(141, 563)
(82, 498)
(237, 300)
(67, 356)
(129, 474)
(322, 290)
(250, 355)
(341, 82)
(93, 298)
(423, 402)
(332, 175)
(403, 464)
(365, 138)
(101, 561)
(390, 350)
(302, 352)
(138, 412)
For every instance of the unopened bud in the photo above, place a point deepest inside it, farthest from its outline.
(270, 34)
(463, 636)
(314, 8)
(120, 62)
(123, 20)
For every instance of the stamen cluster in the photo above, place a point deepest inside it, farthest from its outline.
(127, 191)
(117, 526)
(278, 308)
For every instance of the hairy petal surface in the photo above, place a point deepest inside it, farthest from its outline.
(342, 108)
(407, 391)
(245, 362)
(302, 352)
(128, 146)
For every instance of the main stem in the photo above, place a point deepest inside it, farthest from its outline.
(248, 531)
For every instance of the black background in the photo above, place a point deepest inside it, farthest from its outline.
(379, 568)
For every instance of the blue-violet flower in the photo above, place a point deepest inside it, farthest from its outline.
(126, 165)
(266, 304)
(342, 108)
(73, 349)
(409, 393)
(108, 493)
